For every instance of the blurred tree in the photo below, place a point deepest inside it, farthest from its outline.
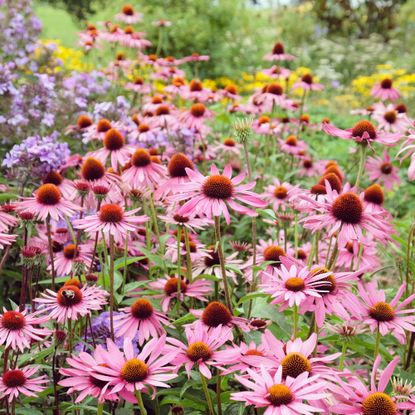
(361, 18)
(79, 9)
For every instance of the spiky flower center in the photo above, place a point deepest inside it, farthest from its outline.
(73, 281)
(103, 125)
(294, 364)
(326, 285)
(279, 394)
(307, 78)
(198, 110)
(113, 140)
(178, 164)
(390, 117)
(198, 351)
(386, 168)
(348, 208)
(291, 141)
(362, 127)
(273, 253)
(382, 311)
(275, 89)
(48, 194)
(195, 86)
(128, 10)
(69, 295)
(92, 169)
(111, 213)
(231, 89)
(84, 122)
(278, 49)
(142, 309)
(143, 128)
(212, 259)
(295, 284)
(333, 179)
(171, 285)
(280, 192)
(53, 177)
(374, 194)
(13, 320)
(401, 108)
(70, 251)
(141, 158)
(163, 110)
(229, 142)
(378, 403)
(218, 187)
(134, 370)
(14, 378)
(216, 313)
(386, 83)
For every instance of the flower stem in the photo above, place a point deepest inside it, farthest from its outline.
(222, 264)
(100, 408)
(179, 267)
(154, 220)
(295, 321)
(377, 345)
(111, 274)
(363, 150)
(188, 259)
(50, 246)
(140, 402)
(218, 391)
(343, 355)
(207, 395)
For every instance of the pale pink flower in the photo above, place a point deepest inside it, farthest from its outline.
(170, 286)
(127, 372)
(281, 195)
(48, 202)
(229, 148)
(138, 86)
(385, 90)
(129, 15)
(113, 220)
(70, 255)
(211, 195)
(277, 72)
(292, 145)
(278, 54)
(355, 398)
(6, 221)
(71, 302)
(143, 173)
(190, 222)
(17, 382)
(201, 348)
(194, 118)
(6, 239)
(18, 329)
(140, 317)
(365, 252)
(307, 83)
(363, 132)
(387, 317)
(381, 170)
(390, 119)
(281, 396)
(79, 376)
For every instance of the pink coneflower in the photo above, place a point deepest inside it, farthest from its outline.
(279, 396)
(281, 195)
(384, 90)
(292, 145)
(387, 317)
(48, 202)
(217, 314)
(80, 376)
(194, 118)
(6, 239)
(114, 148)
(278, 54)
(172, 285)
(162, 23)
(143, 173)
(6, 221)
(132, 39)
(127, 372)
(273, 95)
(310, 167)
(70, 255)
(277, 72)
(140, 317)
(336, 296)
(196, 92)
(190, 222)
(409, 149)
(296, 357)
(196, 57)
(113, 220)
(211, 195)
(17, 328)
(365, 252)
(201, 348)
(229, 148)
(65, 186)
(363, 132)
(138, 85)
(355, 398)
(17, 382)
(346, 216)
(307, 83)
(165, 117)
(129, 15)
(292, 285)
(71, 302)
(381, 169)
(390, 119)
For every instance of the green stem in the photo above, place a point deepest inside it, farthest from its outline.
(218, 392)
(188, 259)
(50, 246)
(207, 395)
(377, 345)
(343, 356)
(100, 408)
(124, 277)
(179, 267)
(155, 223)
(295, 321)
(222, 264)
(140, 403)
(363, 150)
(111, 272)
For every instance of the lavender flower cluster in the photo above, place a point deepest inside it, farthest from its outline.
(36, 156)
